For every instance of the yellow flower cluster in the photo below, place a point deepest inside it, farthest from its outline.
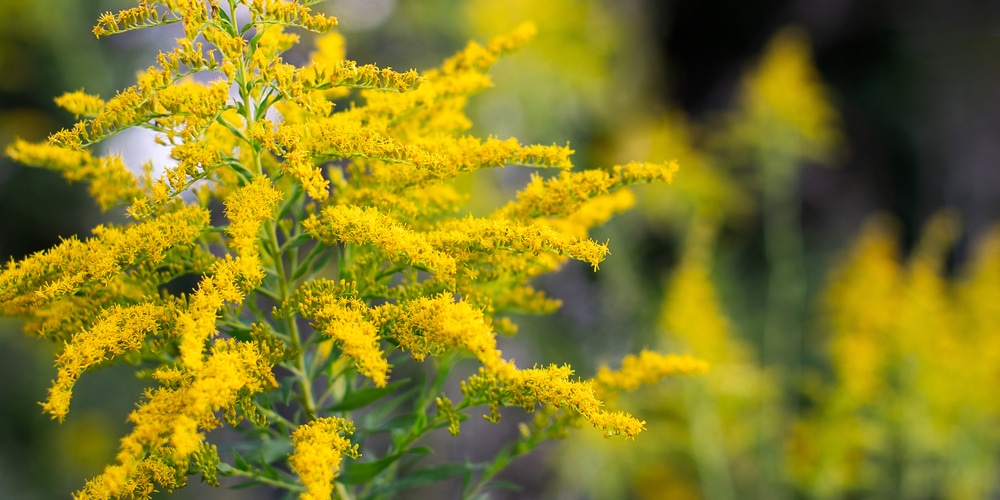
(118, 331)
(785, 113)
(73, 265)
(143, 16)
(110, 181)
(901, 339)
(371, 185)
(318, 451)
(564, 194)
(337, 312)
(430, 326)
(645, 369)
(289, 14)
(166, 426)
(230, 279)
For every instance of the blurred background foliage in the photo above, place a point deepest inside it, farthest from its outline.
(827, 245)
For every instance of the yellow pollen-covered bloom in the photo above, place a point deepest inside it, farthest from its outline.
(647, 368)
(120, 330)
(353, 224)
(247, 209)
(319, 448)
(344, 318)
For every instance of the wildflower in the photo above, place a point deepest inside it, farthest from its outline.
(370, 185)
(318, 450)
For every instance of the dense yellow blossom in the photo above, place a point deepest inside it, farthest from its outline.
(290, 14)
(562, 195)
(74, 264)
(120, 330)
(166, 426)
(340, 315)
(247, 210)
(430, 325)
(784, 113)
(645, 369)
(363, 193)
(111, 183)
(143, 16)
(353, 224)
(318, 451)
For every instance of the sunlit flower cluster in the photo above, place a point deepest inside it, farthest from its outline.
(340, 241)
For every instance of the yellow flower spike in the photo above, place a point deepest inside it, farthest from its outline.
(231, 370)
(490, 235)
(550, 386)
(646, 368)
(339, 315)
(119, 331)
(60, 271)
(80, 103)
(143, 16)
(230, 279)
(430, 325)
(247, 209)
(111, 183)
(563, 194)
(319, 448)
(479, 58)
(291, 14)
(352, 224)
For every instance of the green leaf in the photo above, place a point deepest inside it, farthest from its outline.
(227, 21)
(244, 485)
(321, 261)
(320, 253)
(363, 472)
(364, 397)
(286, 386)
(299, 240)
(264, 452)
(240, 170)
(403, 421)
(241, 463)
(289, 203)
(428, 475)
(273, 450)
(255, 40)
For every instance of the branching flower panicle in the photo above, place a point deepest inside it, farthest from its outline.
(341, 240)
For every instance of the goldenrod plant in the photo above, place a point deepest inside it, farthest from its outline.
(725, 438)
(909, 347)
(314, 206)
(784, 118)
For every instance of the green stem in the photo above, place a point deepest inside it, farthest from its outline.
(301, 367)
(260, 478)
(706, 437)
(782, 338)
(403, 442)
